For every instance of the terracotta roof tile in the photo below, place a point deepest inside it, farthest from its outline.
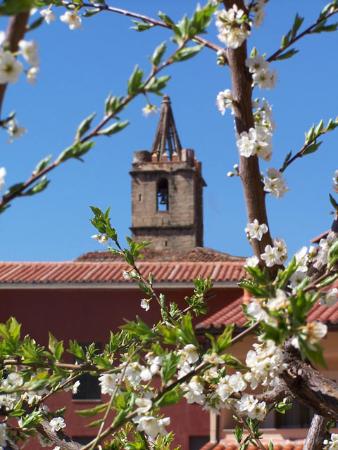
(195, 254)
(232, 313)
(286, 445)
(111, 272)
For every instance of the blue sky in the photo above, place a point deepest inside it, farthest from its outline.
(79, 69)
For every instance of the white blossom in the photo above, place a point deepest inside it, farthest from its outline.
(152, 426)
(252, 261)
(335, 181)
(279, 302)
(194, 391)
(29, 52)
(257, 141)
(255, 310)
(14, 130)
(57, 424)
(274, 183)
(331, 444)
(302, 259)
(145, 303)
(249, 406)
(189, 354)
(76, 386)
(154, 362)
(256, 63)
(72, 19)
(265, 79)
(233, 26)
(48, 15)
(149, 109)
(255, 231)
(143, 404)
(315, 331)
(32, 73)
(330, 298)
(259, 12)
(108, 383)
(14, 380)
(2, 37)
(280, 250)
(10, 68)
(269, 256)
(100, 238)
(224, 101)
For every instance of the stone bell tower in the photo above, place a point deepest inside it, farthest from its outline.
(167, 190)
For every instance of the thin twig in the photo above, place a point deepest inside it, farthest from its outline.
(308, 30)
(146, 19)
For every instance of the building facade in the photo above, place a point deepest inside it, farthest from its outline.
(87, 298)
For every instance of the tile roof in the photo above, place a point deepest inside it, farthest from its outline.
(233, 314)
(43, 273)
(286, 445)
(195, 254)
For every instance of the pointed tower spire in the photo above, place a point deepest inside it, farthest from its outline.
(167, 143)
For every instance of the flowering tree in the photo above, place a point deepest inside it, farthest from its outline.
(143, 368)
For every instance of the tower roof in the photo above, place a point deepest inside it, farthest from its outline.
(167, 142)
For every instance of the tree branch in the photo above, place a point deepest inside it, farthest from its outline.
(316, 434)
(308, 385)
(146, 19)
(249, 167)
(307, 31)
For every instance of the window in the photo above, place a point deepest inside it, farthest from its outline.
(83, 440)
(162, 195)
(89, 388)
(298, 417)
(196, 442)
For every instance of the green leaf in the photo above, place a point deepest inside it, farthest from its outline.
(41, 165)
(156, 85)
(158, 54)
(186, 331)
(187, 53)
(333, 202)
(135, 81)
(141, 26)
(84, 126)
(56, 347)
(166, 19)
(92, 411)
(76, 349)
(169, 366)
(35, 24)
(114, 128)
(224, 340)
(14, 7)
(76, 151)
(333, 254)
(312, 148)
(286, 55)
(170, 397)
(89, 12)
(38, 187)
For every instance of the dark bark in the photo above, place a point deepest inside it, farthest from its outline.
(316, 435)
(309, 386)
(249, 167)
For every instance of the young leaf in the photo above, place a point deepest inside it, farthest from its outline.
(187, 53)
(135, 81)
(158, 54)
(114, 128)
(84, 126)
